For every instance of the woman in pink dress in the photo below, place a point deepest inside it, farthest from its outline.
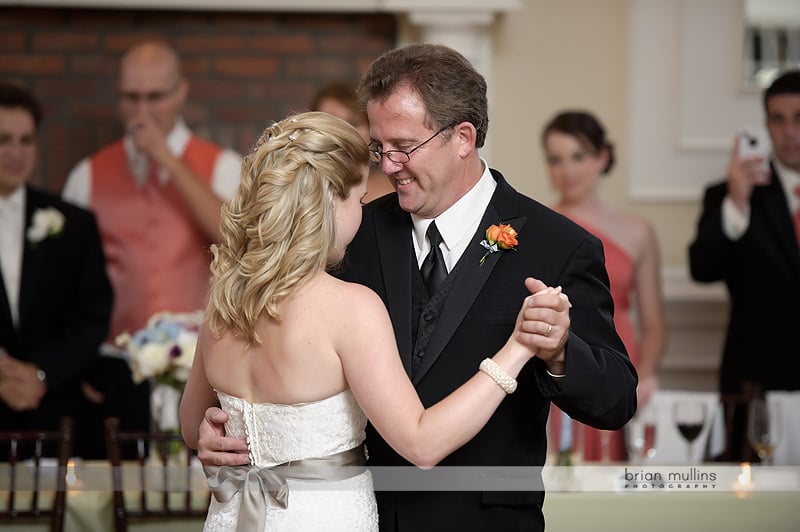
(578, 155)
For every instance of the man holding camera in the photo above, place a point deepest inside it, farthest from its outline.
(748, 235)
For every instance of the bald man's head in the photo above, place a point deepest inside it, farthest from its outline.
(151, 81)
(152, 55)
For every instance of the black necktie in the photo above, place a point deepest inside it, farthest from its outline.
(433, 270)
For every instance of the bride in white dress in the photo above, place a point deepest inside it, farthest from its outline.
(299, 359)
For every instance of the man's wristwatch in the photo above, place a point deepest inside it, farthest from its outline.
(41, 375)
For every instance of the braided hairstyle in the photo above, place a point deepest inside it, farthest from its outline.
(279, 228)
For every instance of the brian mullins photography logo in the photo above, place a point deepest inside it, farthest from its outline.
(692, 478)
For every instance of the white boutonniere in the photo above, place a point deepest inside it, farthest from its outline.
(46, 223)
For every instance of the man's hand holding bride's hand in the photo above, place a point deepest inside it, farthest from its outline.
(216, 449)
(543, 324)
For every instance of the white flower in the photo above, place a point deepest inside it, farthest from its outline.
(149, 361)
(123, 339)
(46, 222)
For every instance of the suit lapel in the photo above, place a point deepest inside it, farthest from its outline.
(32, 258)
(6, 325)
(393, 229)
(471, 276)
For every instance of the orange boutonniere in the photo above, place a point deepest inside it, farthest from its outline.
(498, 237)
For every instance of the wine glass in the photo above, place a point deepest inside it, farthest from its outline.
(690, 418)
(605, 446)
(763, 427)
(640, 436)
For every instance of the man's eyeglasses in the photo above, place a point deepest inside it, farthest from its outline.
(398, 156)
(151, 97)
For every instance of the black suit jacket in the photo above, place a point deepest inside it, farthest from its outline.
(476, 321)
(64, 308)
(762, 274)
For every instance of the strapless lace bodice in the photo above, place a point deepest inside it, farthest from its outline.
(278, 433)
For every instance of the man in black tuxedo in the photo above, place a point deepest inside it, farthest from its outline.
(428, 116)
(748, 236)
(55, 298)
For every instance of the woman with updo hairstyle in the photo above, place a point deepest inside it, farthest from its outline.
(579, 156)
(279, 228)
(299, 360)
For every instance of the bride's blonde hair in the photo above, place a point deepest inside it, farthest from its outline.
(279, 228)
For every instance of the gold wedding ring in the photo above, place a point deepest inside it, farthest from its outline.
(549, 330)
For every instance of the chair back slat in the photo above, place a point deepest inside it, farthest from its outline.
(154, 472)
(36, 474)
(18, 444)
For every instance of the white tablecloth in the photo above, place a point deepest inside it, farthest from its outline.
(671, 448)
(787, 452)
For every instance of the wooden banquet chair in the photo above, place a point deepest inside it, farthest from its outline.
(159, 488)
(26, 482)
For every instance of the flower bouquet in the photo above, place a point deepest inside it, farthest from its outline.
(163, 351)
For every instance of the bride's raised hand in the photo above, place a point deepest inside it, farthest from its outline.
(543, 323)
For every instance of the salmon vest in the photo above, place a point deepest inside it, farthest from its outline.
(157, 256)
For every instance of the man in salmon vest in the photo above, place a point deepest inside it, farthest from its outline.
(156, 193)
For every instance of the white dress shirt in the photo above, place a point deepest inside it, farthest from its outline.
(458, 223)
(224, 178)
(12, 231)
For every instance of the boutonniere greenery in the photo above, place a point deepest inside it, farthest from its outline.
(498, 237)
(46, 223)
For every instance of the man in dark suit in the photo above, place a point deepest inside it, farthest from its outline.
(428, 116)
(55, 298)
(747, 236)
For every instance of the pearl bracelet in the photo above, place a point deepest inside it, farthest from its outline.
(498, 375)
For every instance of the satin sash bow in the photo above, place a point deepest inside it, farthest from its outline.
(258, 484)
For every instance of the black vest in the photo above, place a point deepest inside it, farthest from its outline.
(425, 312)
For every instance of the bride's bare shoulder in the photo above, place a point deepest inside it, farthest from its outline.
(354, 293)
(352, 301)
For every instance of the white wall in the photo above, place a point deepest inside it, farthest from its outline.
(641, 79)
